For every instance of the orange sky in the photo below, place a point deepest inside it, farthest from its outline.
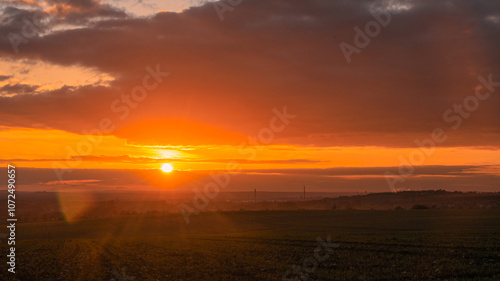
(100, 88)
(40, 148)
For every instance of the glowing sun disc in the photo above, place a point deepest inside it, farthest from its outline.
(167, 168)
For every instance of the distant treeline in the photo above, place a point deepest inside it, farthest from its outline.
(47, 206)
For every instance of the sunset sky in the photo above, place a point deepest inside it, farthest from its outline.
(98, 95)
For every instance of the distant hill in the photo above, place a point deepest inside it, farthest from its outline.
(406, 200)
(49, 206)
(439, 199)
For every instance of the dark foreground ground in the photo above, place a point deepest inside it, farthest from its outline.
(374, 245)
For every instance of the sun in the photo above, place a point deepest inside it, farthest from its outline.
(167, 168)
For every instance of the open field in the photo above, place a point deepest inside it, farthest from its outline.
(374, 245)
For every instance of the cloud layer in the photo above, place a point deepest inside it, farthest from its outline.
(461, 178)
(229, 75)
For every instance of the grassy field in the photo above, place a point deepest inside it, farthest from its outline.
(374, 245)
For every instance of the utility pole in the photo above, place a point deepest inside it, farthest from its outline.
(304, 192)
(255, 195)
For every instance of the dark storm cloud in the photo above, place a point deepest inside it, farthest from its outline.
(15, 20)
(28, 15)
(80, 12)
(270, 53)
(4, 77)
(18, 89)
